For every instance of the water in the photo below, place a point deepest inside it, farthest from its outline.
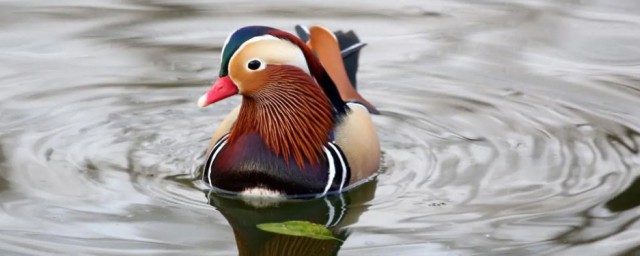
(506, 128)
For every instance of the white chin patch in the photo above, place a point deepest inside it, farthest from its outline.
(261, 197)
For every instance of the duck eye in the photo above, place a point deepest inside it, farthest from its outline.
(254, 64)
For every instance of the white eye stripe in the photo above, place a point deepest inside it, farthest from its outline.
(294, 55)
(242, 46)
(255, 39)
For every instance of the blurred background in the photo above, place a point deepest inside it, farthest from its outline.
(507, 127)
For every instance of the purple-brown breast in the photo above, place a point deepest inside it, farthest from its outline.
(249, 163)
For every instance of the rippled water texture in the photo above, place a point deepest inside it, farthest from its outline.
(506, 128)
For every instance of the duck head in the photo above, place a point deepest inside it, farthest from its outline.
(251, 55)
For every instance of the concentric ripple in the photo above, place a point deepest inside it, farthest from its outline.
(480, 171)
(506, 128)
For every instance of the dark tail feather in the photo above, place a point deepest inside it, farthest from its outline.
(350, 47)
(303, 33)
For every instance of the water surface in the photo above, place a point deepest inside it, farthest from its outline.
(507, 127)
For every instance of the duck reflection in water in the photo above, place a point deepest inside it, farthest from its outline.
(334, 212)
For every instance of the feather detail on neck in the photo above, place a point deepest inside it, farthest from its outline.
(315, 67)
(291, 114)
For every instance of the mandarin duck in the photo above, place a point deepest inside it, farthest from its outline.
(301, 127)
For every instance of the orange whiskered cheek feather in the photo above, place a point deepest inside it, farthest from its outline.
(290, 113)
(248, 81)
(253, 81)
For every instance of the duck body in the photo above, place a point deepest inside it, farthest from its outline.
(293, 133)
(249, 163)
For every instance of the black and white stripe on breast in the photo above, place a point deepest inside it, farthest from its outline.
(339, 171)
(206, 176)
